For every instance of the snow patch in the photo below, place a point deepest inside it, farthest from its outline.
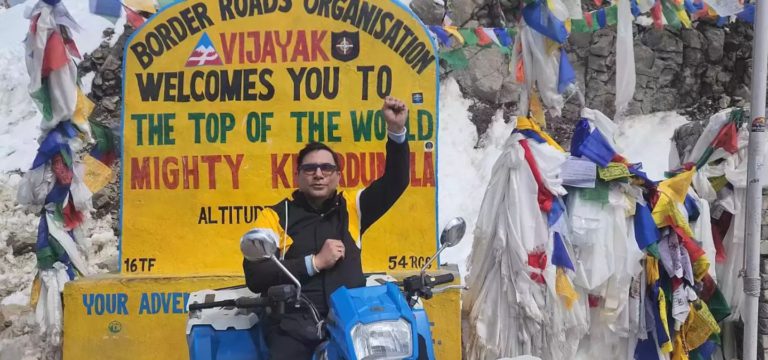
(647, 139)
(464, 170)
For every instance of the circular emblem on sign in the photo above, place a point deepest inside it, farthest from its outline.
(758, 124)
(115, 327)
(428, 146)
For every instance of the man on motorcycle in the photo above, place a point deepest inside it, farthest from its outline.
(320, 231)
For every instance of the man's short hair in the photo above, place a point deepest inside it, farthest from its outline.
(316, 146)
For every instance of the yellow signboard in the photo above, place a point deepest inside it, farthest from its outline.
(138, 317)
(219, 96)
(119, 317)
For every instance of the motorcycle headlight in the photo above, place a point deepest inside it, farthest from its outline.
(383, 340)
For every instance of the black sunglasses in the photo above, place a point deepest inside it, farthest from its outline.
(310, 169)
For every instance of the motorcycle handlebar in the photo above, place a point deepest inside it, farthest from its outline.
(243, 302)
(251, 302)
(443, 279)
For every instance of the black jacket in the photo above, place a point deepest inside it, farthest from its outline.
(346, 216)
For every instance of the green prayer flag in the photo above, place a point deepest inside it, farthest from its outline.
(43, 100)
(704, 159)
(579, 26)
(612, 15)
(716, 338)
(670, 14)
(512, 32)
(66, 157)
(718, 182)
(46, 258)
(470, 39)
(104, 139)
(737, 116)
(597, 194)
(456, 59)
(653, 249)
(595, 21)
(58, 214)
(718, 306)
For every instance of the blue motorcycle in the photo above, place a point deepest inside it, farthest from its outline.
(385, 321)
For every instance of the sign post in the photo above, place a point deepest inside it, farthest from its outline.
(220, 96)
(756, 156)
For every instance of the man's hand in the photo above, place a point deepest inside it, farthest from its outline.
(332, 251)
(395, 113)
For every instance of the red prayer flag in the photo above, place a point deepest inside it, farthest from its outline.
(657, 15)
(544, 196)
(719, 230)
(694, 251)
(60, 170)
(33, 24)
(72, 217)
(55, 55)
(72, 48)
(727, 138)
(133, 17)
(594, 300)
(538, 260)
(482, 38)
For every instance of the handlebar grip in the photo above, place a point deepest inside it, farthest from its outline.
(213, 304)
(443, 279)
(251, 302)
(242, 302)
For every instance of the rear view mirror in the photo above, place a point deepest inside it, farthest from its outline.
(257, 244)
(453, 232)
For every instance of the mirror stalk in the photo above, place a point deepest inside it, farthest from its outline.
(293, 278)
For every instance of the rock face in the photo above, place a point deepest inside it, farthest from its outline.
(106, 89)
(675, 69)
(705, 68)
(487, 78)
(106, 92)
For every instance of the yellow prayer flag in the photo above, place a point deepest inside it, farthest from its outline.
(551, 46)
(677, 187)
(701, 267)
(537, 110)
(710, 11)
(97, 174)
(679, 353)
(666, 213)
(667, 346)
(141, 5)
(699, 326)
(613, 171)
(684, 19)
(565, 289)
(651, 269)
(34, 294)
(453, 30)
(83, 109)
(525, 123)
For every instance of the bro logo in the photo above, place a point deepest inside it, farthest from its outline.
(115, 327)
(345, 45)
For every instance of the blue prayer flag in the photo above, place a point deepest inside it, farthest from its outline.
(539, 18)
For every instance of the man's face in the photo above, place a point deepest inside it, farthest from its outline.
(318, 175)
